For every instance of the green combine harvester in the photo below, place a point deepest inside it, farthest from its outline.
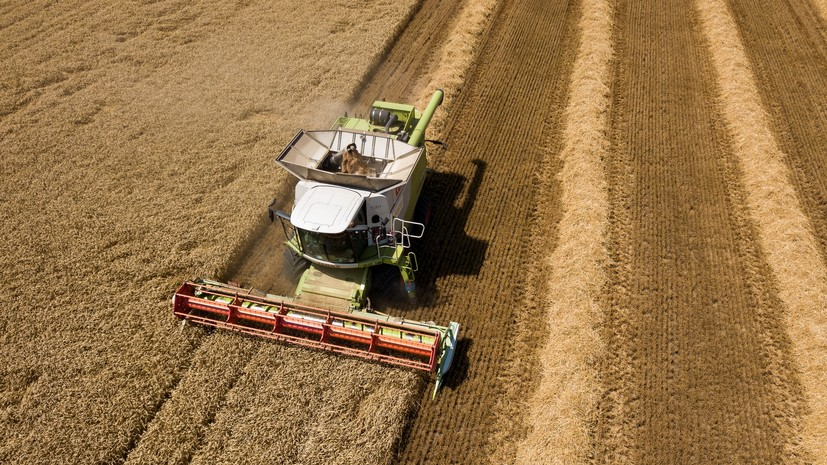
(355, 203)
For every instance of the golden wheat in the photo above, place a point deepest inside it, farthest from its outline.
(136, 142)
(821, 6)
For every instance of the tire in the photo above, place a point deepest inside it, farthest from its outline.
(386, 281)
(293, 265)
(422, 210)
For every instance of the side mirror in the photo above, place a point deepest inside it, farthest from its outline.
(272, 211)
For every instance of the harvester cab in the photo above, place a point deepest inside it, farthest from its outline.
(355, 201)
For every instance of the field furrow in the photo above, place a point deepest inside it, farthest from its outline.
(177, 431)
(293, 405)
(694, 326)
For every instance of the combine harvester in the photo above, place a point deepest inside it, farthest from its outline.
(351, 216)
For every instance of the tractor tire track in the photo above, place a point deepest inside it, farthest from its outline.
(178, 428)
(694, 325)
(406, 68)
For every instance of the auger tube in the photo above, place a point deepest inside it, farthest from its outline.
(418, 133)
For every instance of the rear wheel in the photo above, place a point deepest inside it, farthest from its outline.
(422, 211)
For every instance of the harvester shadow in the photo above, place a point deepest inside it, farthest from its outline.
(459, 367)
(446, 249)
(455, 376)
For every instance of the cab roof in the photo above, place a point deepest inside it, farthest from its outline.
(326, 209)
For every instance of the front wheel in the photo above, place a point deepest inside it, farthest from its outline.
(293, 265)
(387, 282)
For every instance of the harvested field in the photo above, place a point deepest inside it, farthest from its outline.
(436, 51)
(698, 361)
(485, 187)
(563, 404)
(784, 231)
(597, 230)
(787, 50)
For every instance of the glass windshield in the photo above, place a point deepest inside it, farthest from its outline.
(345, 247)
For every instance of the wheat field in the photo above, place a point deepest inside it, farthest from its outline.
(628, 223)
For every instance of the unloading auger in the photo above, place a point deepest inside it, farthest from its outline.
(358, 205)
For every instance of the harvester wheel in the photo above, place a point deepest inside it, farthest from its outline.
(387, 282)
(422, 211)
(293, 264)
